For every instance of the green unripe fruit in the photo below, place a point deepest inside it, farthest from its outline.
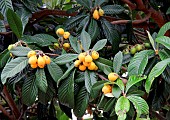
(138, 47)
(147, 45)
(56, 45)
(10, 47)
(133, 50)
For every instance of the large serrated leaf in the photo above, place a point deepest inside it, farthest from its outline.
(164, 40)
(138, 63)
(15, 23)
(66, 91)
(100, 2)
(29, 90)
(116, 91)
(164, 29)
(75, 44)
(86, 3)
(13, 67)
(105, 61)
(140, 105)
(55, 71)
(119, 83)
(109, 105)
(93, 29)
(20, 51)
(41, 80)
(113, 9)
(4, 56)
(81, 100)
(155, 72)
(65, 58)
(99, 45)
(85, 40)
(5, 5)
(105, 68)
(117, 62)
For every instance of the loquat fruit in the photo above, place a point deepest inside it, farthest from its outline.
(113, 76)
(87, 64)
(96, 14)
(33, 60)
(82, 67)
(95, 55)
(60, 31)
(31, 53)
(106, 89)
(92, 66)
(10, 47)
(66, 46)
(47, 59)
(66, 35)
(101, 12)
(34, 65)
(41, 62)
(88, 58)
(77, 63)
(81, 57)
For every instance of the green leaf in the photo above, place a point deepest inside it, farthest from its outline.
(151, 40)
(65, 58)
(41, 80)
(4, 56)
(93, 29)
(2, 27)
(79, 77)
(75, 44)
(66, 91)
(15, 23)
(140, 105)
(105, 61)
(100, 2)
(155, 72)
(117, 62)
(85, 40)
(113, 9)
(133, 80)
(29, 90)
(20, 51)
(55, 71)
(13, 67)
(106, 69)
(164, 29)
(99, 45)
(122, 107)
(109, 105)
(90, 80)
(164, 40)
(116, 91)
(120, 84)
(81, 100)
(164, 54)
(86, 3)
(138, 64)
(168, 11)
(5, 5)
(136, 93)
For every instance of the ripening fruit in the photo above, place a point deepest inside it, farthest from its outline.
(66, 35)
(101, 12)
(95, 55)
(106, 89)
(81, 47)
(92, 66)
(56, 45)
(60, 31)
(81, 57)
(88, 58)
(41, 62)
(47, 59)
(33, 60)
(87, 64)
(82, 67)
(96, 14)
(10, 47)
(31, 53)
(96, 68)
(133, 50)
(147, 45)
(113, 76)
(34, 65)
(66, 46)
(138, 47)
(77, 63)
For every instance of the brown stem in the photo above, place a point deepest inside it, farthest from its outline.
(11, 102)
(101, 76)
(52, 54)
(5, 112)
(130, 4)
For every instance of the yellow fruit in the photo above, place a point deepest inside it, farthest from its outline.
(92, 66)
(113, 76)
(82, 67)
(77, 63)
(66, 35)
(96, 14)
(81, 57)
(88, 58)
(87, 64)
(60, 31)
(34, 65)
(41, 62)
(101, 12)
(10, 47)
(96, 68)
(32, 60)
(81, 47)
(95, 55)
(31, 53)
(106, 89)
(47, 59)
(66, 46)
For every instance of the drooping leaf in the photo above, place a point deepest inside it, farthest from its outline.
(85, 40)
(4, 56)
(99, 45)
(109, 105)
(106, 69)
(55, 71)
(116, 91)
(164, 54)
(117, 62)
(86, 3)
(29, 90)
(13, 67)
(133, 80)
(75, 44)
(163, 29)
(100, 2)
(65, 58)
(5, 5)
(79, 77)
(81, 100)
(113, 9)
(119, 83)
(66, 91)
(151, 40)
(41, 80)
(155, 72)
(105, 61)
(139, 93)
(20, 51)
(138, 63)
(93, 29)
(164, 40)
(15, 23)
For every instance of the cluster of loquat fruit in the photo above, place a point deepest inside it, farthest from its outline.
(35, 62)
(97, 13)
(107, 88)
(85, 60)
